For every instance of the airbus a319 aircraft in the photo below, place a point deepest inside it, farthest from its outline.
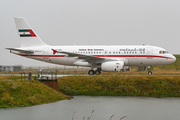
(103, 58)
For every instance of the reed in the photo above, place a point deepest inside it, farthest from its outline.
(89, 118)
(73, 115)
(111, 117)
(123, 117)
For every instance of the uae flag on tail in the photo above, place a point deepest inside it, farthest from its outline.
(26, 33)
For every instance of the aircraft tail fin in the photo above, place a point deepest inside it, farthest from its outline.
(27, 36)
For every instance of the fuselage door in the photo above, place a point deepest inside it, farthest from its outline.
(105, 53)
(45, 53)
(149, 53)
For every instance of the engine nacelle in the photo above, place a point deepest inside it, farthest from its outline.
(112, 66)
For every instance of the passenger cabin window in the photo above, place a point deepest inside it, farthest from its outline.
(163, 52)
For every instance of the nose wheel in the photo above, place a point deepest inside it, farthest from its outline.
(150, 73)
(149, 70)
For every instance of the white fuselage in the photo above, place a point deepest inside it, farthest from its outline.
(104, 58)
(136, 55)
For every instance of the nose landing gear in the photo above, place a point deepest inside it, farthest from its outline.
(149, 70)
(150, 73)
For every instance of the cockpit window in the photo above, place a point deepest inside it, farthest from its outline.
(163, 52)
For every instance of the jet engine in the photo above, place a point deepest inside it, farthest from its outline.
(112, 66)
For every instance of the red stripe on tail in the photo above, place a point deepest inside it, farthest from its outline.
(32, 33)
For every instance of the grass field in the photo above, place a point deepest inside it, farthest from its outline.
(124, 85)
(15, 92)
(19, 93)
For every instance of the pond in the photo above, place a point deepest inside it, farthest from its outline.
(135, 108)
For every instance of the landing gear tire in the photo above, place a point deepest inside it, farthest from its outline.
(150, 73)
(91, 72)
(97, 72)
(149, 70)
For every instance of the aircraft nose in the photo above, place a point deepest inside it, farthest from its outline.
(173, 58)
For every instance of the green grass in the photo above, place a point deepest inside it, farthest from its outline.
(119, 85)
(17, 93)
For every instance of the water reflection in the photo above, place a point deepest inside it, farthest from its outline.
(135, 108)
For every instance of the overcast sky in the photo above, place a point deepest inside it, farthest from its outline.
(91, 22)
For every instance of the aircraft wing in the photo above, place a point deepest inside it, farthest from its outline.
(88, 58)
(21, 50)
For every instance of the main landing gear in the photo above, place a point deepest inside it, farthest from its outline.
(92, 72)
(149, 70)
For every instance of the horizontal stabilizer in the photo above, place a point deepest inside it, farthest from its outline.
(20, 50)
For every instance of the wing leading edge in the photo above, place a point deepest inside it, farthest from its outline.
(87, 58)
